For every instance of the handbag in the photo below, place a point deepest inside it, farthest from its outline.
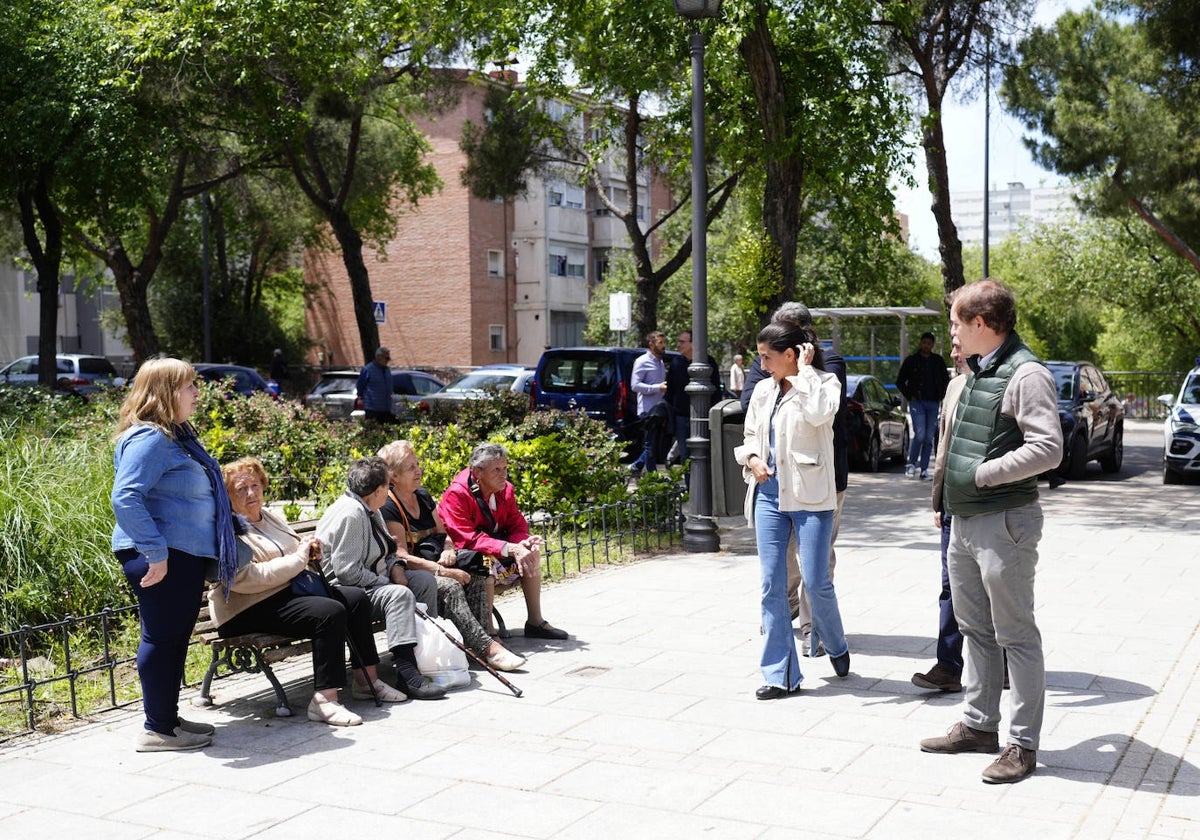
(309, 582)
(439, 658)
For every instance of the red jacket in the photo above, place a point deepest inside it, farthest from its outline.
(468, 526)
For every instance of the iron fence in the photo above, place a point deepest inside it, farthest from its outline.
(43, 668)
(1140, 389)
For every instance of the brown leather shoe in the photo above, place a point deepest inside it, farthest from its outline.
(1014, 764)
(938, 679)
(962, 738)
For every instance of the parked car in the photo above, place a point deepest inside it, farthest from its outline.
(76, 372)
(245, 380)
(876, 427)
(479, 383)
(1181, 430)
(1092, 418)
(336, 393)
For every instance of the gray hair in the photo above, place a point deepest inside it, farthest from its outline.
(793, 312)
(485, 453)
(366, 475)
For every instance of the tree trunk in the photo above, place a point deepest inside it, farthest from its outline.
(784, 185)
(949, 245)
(36, 205)
(351, 244)
(132, 283)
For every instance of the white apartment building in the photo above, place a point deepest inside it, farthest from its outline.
(1008, 209)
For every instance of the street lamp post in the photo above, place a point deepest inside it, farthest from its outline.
(700, 530)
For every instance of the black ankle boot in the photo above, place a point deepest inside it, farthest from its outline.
(408, 676)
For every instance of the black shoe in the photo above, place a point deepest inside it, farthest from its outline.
(544, 631)
(774, 692)
(422, 691)
(1056, 480)
(841, 664)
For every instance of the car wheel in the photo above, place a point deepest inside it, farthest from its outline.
(902, 455)
(1111, 462)
(872, 456)
(1077, 467)
(1170, 476)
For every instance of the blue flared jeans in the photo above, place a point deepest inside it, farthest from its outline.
(773, 530)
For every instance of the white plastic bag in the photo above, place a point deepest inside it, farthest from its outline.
(437, 657)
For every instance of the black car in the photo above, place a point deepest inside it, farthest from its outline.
(245, 380)
(876, 427)
(1092, 418)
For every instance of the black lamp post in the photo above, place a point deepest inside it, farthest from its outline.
(700, 530)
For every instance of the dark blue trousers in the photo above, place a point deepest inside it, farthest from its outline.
(949, 640)
(168, 612)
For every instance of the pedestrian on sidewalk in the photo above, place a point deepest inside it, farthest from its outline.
(174, 528)
(788, 459)
(1005, 432)
(946, 674)
(922, 381)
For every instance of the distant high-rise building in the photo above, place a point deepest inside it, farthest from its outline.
(1008, 209)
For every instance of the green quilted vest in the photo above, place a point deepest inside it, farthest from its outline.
(981, 433)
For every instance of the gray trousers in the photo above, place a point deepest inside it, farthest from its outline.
(991, 560)
(797, 597)
(394, 604)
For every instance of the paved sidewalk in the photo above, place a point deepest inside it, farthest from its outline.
(645, 725)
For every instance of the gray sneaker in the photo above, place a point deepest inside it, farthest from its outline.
(150, 741)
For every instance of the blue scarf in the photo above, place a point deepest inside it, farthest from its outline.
(185, 436)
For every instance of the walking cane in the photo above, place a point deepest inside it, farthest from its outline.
(314, 557)
(516, 691)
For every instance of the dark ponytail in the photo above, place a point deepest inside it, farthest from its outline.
(781, 335)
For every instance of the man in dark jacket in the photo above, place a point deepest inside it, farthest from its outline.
(797, 313)
(922, 381)
(677, 396)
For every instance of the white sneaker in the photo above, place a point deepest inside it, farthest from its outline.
(385, 692)
(150, 741)
(335, 714)
(910, 471)
(505, 660)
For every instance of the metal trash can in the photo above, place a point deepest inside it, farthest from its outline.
(725, 425)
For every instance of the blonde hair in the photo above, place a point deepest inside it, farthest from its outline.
(249, 464)
(152, 397)
(396, 453)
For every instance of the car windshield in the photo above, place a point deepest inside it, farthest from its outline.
(1190, 392)
(590, 373)
(335, 385)
(482, 381)
(1064, 381)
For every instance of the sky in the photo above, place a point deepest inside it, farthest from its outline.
(963, 124)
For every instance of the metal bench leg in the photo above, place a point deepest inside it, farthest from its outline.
(284, 709)
(206, 685)
(503, 630)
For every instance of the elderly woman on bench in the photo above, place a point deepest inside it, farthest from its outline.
(263, 599)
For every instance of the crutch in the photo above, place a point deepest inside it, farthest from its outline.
(516, 691)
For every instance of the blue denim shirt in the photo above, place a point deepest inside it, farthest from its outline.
(161, 497)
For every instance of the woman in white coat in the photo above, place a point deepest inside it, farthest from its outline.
(787, 458)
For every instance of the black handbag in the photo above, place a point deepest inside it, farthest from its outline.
(309, 582)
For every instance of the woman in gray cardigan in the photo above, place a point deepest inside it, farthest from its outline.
(358, 551)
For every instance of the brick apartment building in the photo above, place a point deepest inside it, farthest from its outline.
(468, 281)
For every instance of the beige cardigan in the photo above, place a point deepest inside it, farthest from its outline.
(268, 574)
(803, 440)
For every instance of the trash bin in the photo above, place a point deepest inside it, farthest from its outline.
(726, 431)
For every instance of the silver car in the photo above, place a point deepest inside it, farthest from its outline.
(76, 372)
(1181, 430)
(480, 383)
(336, 394)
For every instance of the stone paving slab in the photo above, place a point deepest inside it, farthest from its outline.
(645, 723)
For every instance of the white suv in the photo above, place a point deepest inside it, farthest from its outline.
(77, 372)
(1181, 430)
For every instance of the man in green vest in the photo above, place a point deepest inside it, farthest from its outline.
(1005, 432)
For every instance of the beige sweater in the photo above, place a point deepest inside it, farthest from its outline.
(271, 571)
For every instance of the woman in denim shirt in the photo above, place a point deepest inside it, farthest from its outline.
(174, 528)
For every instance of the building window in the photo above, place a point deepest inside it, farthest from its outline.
(558, 265)
(496, 338)
(495, 263)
